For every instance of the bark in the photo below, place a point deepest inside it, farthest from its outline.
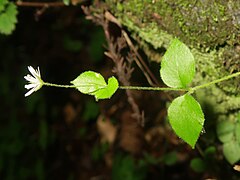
(210, 28)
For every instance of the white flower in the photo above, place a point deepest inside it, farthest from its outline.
(35, 81)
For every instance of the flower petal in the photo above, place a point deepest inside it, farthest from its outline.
(30, 78)
(29, 92)
(38, 73)
(33, 71)
(34, 79)
(29, 86)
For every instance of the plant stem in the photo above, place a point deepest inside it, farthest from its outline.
(215, 81)
(123, 87)
(57, 85)
(158, 88)
(152, 88)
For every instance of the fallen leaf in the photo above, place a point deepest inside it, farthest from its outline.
(106, 129)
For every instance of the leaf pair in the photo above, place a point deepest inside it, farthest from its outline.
(93, 83)
(185, 113)
(177, 71)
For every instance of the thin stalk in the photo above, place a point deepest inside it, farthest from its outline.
(58, 85)
(152, 88)
(191, 90)
(215, 81)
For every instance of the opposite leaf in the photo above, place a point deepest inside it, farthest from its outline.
(93, 83)
(178, 65)
(186, 118)
(107, 92)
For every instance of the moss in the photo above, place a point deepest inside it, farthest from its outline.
(210, 28)
(203, 23)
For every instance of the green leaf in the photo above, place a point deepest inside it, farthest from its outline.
(2, 4)
(125, 167)
(237, 132)
(209, 151)
(109, 90)
(66, 2)
(178, 65)
(93, 83)
(186, 118)
(225, 131)
(170, 158)
(8, 19)
(89, 82)
(198, 165)
(231, 151)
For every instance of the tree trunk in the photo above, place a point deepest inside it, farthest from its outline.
(210, 28)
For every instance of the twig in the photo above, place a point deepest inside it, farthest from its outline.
(123, 67)
(139, 61)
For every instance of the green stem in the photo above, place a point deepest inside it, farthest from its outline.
(191, 90)
(152, 88)
(57, 85)
(215, 81)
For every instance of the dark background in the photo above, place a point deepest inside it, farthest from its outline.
(58, 133)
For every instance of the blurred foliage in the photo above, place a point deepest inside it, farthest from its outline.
(198, 165)
(91, 110)
(99, 150)
(125, 167)
(169, 159)
(71, 44)
(206, 163)
(66, 2)
(8, 19)
(229, 134)
(96, 45)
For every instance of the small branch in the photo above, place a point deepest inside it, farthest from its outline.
(40, 4)
(215, 81)
(140, 62)
(152, 88)
(58, 85)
